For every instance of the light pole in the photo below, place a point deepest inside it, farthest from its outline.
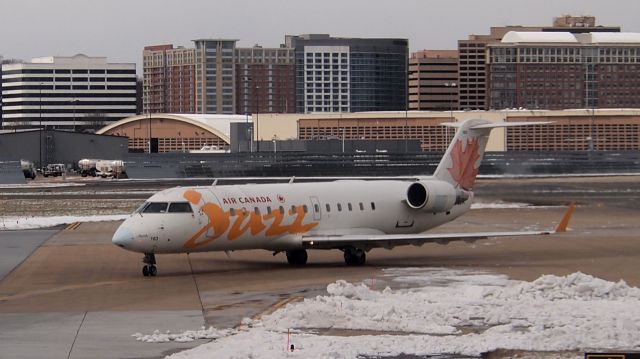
(453, 85)
(74, 102)
(40, 127)
(257, 116)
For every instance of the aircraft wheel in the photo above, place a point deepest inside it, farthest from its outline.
(297, 257)
(354, 257)
(153, 270)
(145, 271)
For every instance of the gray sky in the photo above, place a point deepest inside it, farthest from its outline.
(119, 29)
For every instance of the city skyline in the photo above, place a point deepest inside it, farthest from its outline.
(120, 30)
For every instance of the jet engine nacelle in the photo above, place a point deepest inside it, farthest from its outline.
(434, 196)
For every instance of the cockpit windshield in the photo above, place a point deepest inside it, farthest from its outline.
(165, 207)
(155, 207)
(180, 207)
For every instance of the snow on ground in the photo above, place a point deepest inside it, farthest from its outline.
(506, 205)
(16, 223)
(439, 311)
(186, 336)
(34, 184)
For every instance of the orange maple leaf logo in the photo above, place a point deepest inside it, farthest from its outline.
(463, 169)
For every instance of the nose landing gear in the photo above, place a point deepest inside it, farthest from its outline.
(149, 270)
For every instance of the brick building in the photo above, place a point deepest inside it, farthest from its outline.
(563, 70)
(169, 79)
(433, 80)
(265, 80)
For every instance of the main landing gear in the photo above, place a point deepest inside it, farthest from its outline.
(354, 256)
(297, 257)
(149, 269)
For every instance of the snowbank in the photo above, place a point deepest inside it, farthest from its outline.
(16, 223)
(459, 312)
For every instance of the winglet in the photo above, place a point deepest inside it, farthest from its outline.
(562, 226)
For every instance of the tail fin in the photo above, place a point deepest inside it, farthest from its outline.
(460, 163)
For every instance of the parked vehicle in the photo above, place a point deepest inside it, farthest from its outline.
(110, 168)
(27, 169)
(87, 167)
(54, 170)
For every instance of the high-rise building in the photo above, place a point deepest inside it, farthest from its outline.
(560, 70)
(336, 74)
(169, 79)
(78, 92)
(265, 80)
(215, 76)
(473, 72)
(433, 80)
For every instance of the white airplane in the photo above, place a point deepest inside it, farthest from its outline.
(353, 216)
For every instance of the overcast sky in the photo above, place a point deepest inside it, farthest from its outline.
(119, 29)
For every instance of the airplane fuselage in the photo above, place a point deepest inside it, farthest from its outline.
(273, 216)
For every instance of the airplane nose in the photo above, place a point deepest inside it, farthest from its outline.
(123, 237)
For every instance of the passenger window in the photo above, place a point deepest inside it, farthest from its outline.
(350, 207)
(304, 208)
(281, 209)
(373, 206)
(339, 207)
(269, 210)
(256, 210)
(232, 211)
(293, 209)
(361, 206)
(328, 207)
(180, 207)
(156, 207)
(316, 208)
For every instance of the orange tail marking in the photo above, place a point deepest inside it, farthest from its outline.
(562, 226)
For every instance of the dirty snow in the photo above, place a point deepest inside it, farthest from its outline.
(440, 311)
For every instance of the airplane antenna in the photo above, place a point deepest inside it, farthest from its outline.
(215, 182)
(293, 178)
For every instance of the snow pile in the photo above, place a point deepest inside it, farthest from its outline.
(452, 312)
(16, 223)
(578, 286)
(187, 336)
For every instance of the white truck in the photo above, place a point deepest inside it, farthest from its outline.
(87, 167)
(110, 168)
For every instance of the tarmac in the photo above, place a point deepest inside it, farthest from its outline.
(70, 293)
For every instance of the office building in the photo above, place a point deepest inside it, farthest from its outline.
(336, 74)
(562, 70)
(433, 80)
(473, 71)
(265, 80)
(169, 79)
(215, 76)
(74, 93)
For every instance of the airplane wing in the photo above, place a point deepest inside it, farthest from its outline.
(368, 241)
